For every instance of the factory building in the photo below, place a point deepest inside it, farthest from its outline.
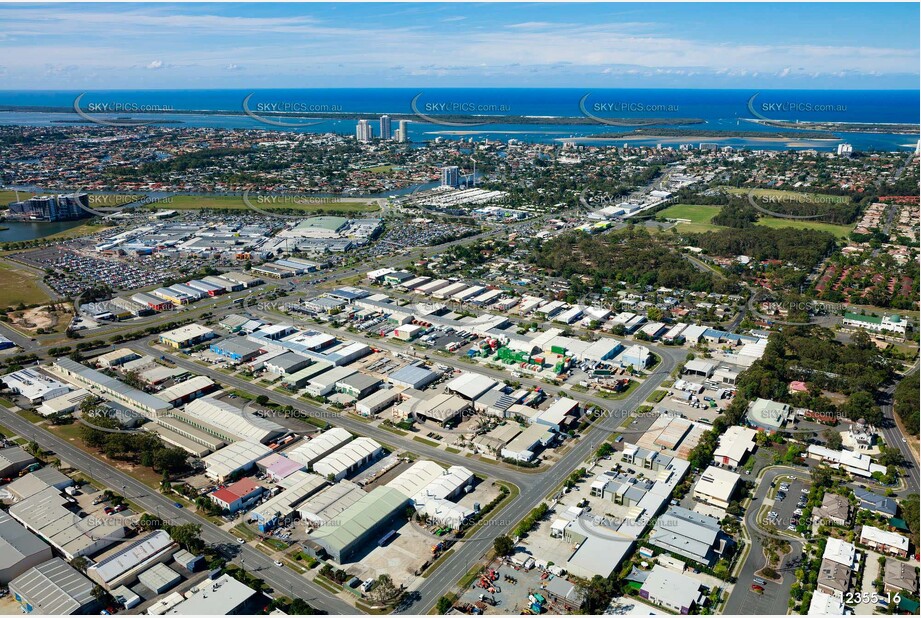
(54, 588)
(320, 446)
(131, 560)
(348, 459)
(368, 520)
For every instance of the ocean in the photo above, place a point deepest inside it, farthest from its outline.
(434, 112)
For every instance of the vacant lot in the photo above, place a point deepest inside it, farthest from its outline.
(19, 286)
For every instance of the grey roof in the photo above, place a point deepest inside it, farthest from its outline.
(360, 381)
(17, 543)
(686, 533)
(109, 383)
(287, 360)
(217, 597)
(14, 458)
(413, 374)
(237, 345)
(54, 587)
(876, 502)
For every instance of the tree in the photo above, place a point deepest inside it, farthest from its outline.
(34, 449)
(102, 596)
(188, 536)
(384, 590)
(832, 439)
(262, 400)
(80, 563)
(444, 605)
(503, 546)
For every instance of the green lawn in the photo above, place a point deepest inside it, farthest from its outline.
(19, 286)
(787, 195)
(699, 218)
(230, 202)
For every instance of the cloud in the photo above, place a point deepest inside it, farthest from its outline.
(155, 65)
(234, 67)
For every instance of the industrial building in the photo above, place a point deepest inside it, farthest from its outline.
(133, 559)
(470, 385)
(287, 363)
(326, 504)
(560, 414)
(374, 403)
(187, 390)
(33, 385)
(186, 336)
(358, 385)
(320, 446)
(38, 481)
(237, 349)
(239, 456)
(223, 596)
(415, 375)
(48, 514)
(54, 588)
(692, 535)
(238, 495)
(65, 404)
(716, 487)
(526, 445)
(277, 467)
(735, 444)
(98, 382)
(325, 383)
(365, 521)
(20, 550)
(768, 415)
(226, 421)
(443, 408)
(116, 358)
(13, 459)
(636, 356)
(672, 590)
(348, 459)
(159, 578)
(297, 488)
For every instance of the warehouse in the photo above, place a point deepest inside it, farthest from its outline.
(735, 443)
(47, 515)
(563, 412)
(693, 334)
(184, 392)
(495, 440)
(237, 349)
(159, 578)
(287, 363)
(374, 403)
(526, 444)
(12, 460)
(234, 457)
(247, 281)
(152, 302)
(54, 588)
(416, 478)
(447, 485)
(300, 378)
(208, 288)
(450, 290)
(186, 336)
(223, 596)
(96, 381)
(38, 481)
(443, 408)
(229, 423)
(636, 356)
(432, 286)
(716, 487)
(320, 446)
(20, 550)
(277, 467)
(325, 383)
(365, 521)
(34, 385)
(414, 283)
(174, 297)
(182, 288)
(238, 495)
(177, 433)
(358, 385)
(133, 559)
(407, 332)
(225, 284)
(116, 358)
(699, 367)
(349, 459)
(470, 385)
(674, 334)
(570, 315)
(415, 375)
(470, 292)
(327, 503)
(297, 488)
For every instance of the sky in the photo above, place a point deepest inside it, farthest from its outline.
(455, 44)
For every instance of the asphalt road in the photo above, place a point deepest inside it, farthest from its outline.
(893, 436)
(776, 596)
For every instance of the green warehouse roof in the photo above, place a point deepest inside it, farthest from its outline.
(869, 319)
(359, 518)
